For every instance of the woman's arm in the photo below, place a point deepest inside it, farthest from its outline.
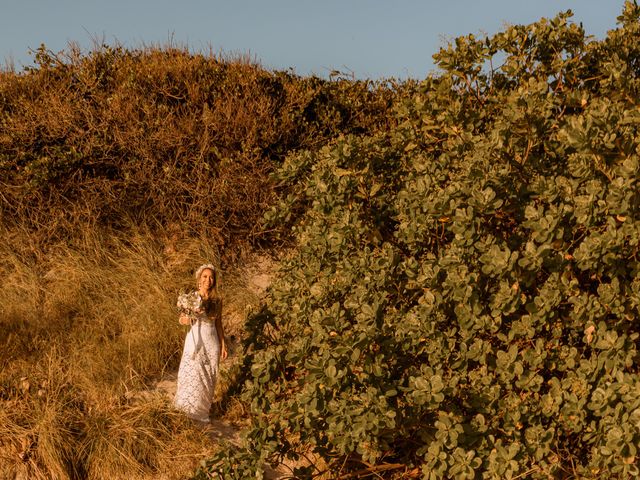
(220, 331)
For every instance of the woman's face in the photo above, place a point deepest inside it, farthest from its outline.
(206, 280)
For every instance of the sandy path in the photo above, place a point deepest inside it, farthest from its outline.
(253, 283)
(218, 429)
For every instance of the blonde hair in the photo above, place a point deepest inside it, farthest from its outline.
(214, 295)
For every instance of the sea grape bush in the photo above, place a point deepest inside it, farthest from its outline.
(463, 298)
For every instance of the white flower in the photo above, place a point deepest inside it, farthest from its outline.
(190, 304)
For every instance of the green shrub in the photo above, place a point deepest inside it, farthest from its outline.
(464, 294)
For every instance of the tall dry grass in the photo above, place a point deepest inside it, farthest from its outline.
(81, 331)
(113, 163)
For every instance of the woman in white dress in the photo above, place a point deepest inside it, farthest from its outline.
(204, 345)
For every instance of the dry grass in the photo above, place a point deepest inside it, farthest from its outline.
(162, 137)
(120, 172)
(81, 331)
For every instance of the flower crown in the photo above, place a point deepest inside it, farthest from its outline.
(202, 268)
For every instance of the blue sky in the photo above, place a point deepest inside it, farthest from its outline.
(367, 38)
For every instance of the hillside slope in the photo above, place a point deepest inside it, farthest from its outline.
(120, 172)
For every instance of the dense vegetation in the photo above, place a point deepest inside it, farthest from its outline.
(162, 138)
(120, 172)
(461, 287)
(464, 294)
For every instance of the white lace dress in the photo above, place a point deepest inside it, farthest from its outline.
(198, 369)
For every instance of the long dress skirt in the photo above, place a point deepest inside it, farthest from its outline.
(198, 370)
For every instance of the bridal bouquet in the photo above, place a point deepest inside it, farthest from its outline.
(190, 304)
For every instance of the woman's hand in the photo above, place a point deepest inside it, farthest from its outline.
(184, 320)
(223, 352)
